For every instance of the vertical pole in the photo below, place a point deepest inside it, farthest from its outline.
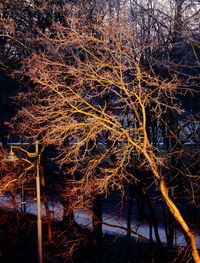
(36, 148)
(39, 222)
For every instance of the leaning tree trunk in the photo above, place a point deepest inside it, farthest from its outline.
(172, 207)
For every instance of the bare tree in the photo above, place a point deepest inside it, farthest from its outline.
(79, 66)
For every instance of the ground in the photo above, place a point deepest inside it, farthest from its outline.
(18, 243)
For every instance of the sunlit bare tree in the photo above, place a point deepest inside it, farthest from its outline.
(91, 98)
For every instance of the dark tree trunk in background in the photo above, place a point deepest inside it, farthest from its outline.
(169, 227)
(140, 202)
(68, 215)
(97, 225)
(143, 199)
(15, 207)
(46, 203)
(3, 134)
(129, 211)
(48, 216)
(153, 221)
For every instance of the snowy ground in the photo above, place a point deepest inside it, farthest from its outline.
(85, 220)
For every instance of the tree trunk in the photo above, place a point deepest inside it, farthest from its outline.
(68, 215)
(153, 218)
(46, 204)
(97, 224)
(15, 207)
(140, 202)
(153, 221)
(172, 207)
(129, 212)
(4, 137)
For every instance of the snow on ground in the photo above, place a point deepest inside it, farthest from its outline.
(84, 219)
